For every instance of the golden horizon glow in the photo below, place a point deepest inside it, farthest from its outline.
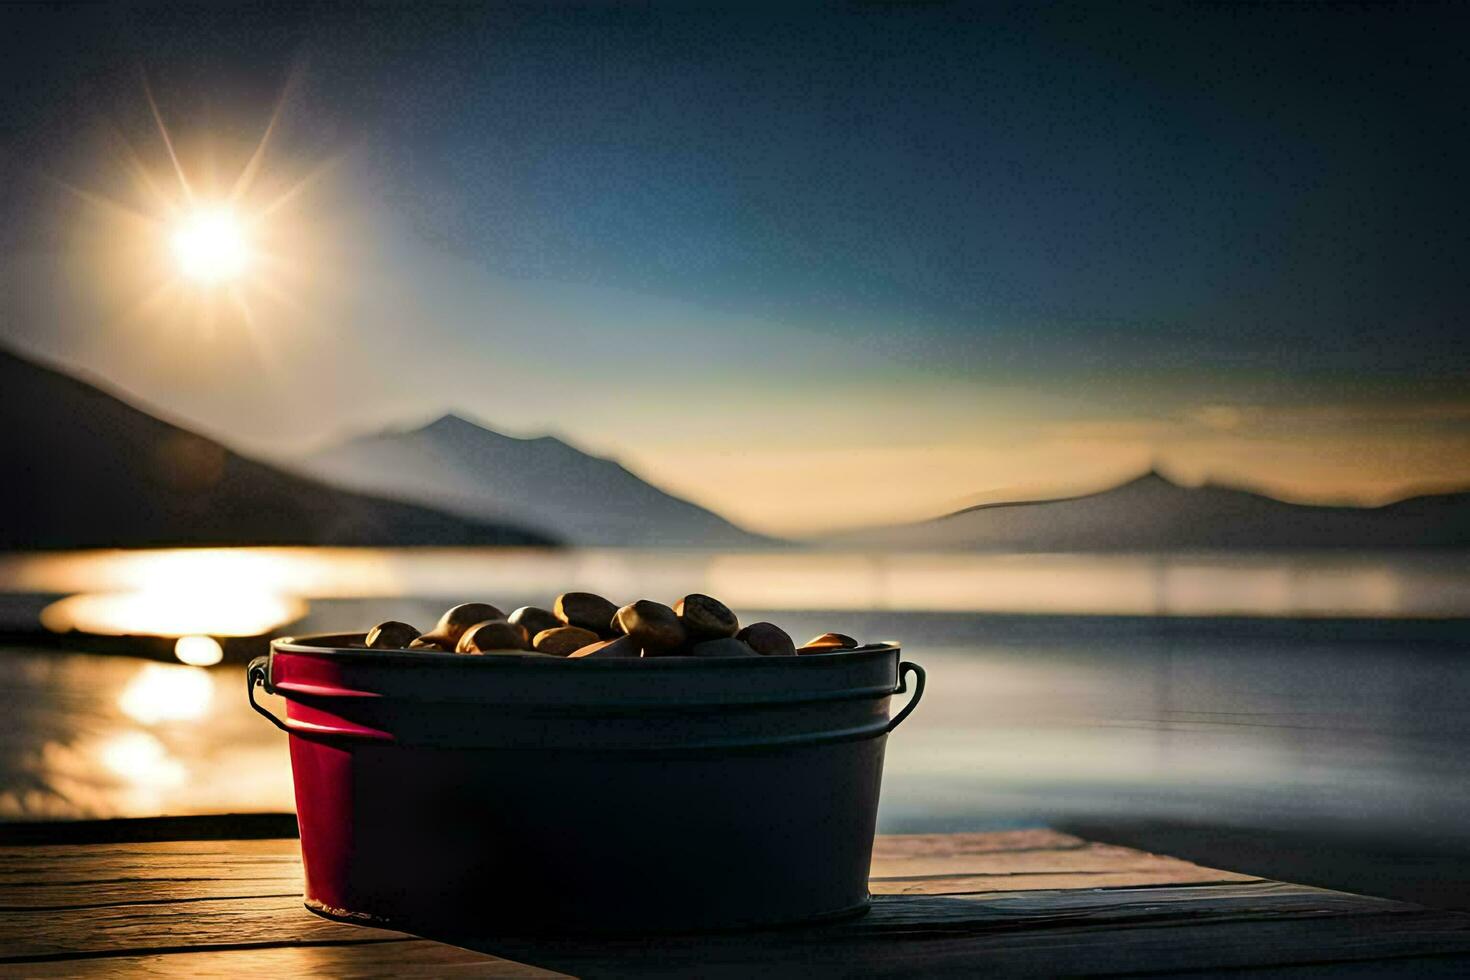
(210, 245)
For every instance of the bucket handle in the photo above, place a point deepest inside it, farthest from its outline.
(903, 670)
(258, 673)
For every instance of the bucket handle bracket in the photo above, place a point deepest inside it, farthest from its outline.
(258, 673)
(904, 669)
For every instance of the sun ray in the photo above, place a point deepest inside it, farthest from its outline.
(282, 285)
(265, 354)
(295, 190)
(138, 171)
(168, 142)
(252, 166)
(210, 320)
(150, 301)
(278, 295)
(257, 158)
(104, 203)
(210, 167)
(206, 257)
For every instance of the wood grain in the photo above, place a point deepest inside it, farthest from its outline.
(137, 891)
(1081, 950)
(943, 864)
(1031, 902)
(1090, 859)
(988, 842)
(1040, 933)
(60, 864)
(216, 922)
(403, 958)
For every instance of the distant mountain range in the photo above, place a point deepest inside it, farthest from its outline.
(1152, 513)
(544, 483)
(85, 469)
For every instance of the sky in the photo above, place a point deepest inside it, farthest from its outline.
(812, 267)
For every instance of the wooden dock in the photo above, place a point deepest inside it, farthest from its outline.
(1030, 902)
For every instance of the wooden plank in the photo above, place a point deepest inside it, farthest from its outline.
(282, 919)
(1192, 939)
(83, 894)
(1045, 953)
(980, 842)
(955, 903)
(942, 864)
(914, 933)
(60, 864)
(403, 958)
(41, 896)
(262, 921)
(985, 911)
(914, 864)
(29, 855)
(1093, 858)
(1050, 881)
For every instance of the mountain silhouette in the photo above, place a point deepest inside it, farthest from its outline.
(543, 483)
(1152, 513)
(85, 469)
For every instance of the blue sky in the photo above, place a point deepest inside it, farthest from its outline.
(993, 250)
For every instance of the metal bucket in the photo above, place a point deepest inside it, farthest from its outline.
(529, 794)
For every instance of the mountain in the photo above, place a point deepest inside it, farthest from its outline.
(1152, 513)
(85, 469)
(543, 483)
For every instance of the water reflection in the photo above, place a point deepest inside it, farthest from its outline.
(106, 736)
(199, 651)
(159, 610)
(163, 692)
(247, 591)
(270, 571)
(1024, 721)
(141, 761)
(1271, 720)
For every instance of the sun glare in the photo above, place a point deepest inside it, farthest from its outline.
(210, 246)
(193, 248)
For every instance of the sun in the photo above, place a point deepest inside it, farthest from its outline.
(210, 246)
(201, 250)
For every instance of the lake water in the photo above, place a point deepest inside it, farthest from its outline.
(244, 590)
(1282, 719)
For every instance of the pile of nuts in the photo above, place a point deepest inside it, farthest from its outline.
(580, 624)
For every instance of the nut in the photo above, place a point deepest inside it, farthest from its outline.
(767, 639)
(391, 635)
(653, 626)
(534, 619)
(455, 621)
(591, 612)
(622, 646)
(562, 641)
(706, 618)
(828, 642)
(493, 636)
(726, 647)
